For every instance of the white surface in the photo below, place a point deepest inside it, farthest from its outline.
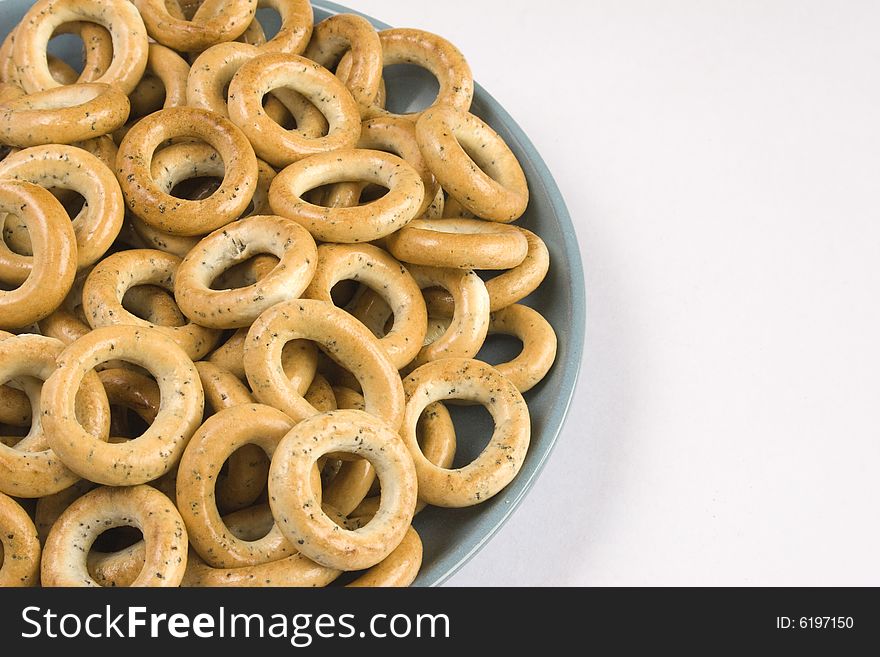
(721, 161)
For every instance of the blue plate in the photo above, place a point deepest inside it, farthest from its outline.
(452, 536)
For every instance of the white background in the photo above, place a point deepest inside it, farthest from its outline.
(721, 161)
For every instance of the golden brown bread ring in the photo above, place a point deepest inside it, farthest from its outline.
(299, 360)
(336, 35)
(67, 546)
(492, 186)
(248, 466)
(20, 553)
(214, 21)
(237, 243)
(54, 261)
(470, 321)
(459, 244)
(297, 510)
(499, 462)
(62, 115)
(119, 17)
(109, 281)
(280, 147)
(31, 468)
(97, 225)
(539, 344)
(156, 451)
(214, 442)
(434, 53)
(297, 20)
(212, 72)
(349, 224)
(156, 207)
(507, 288)
(373, 267)
(341, 336)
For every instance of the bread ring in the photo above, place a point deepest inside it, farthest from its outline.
(156, 451)
(161, 210)
(398, 569)
(109, 281)
(539, 344)
(492, 186)
(295, 507)
(214, 21)
(294, 571)
(354, 224)
(499, 462)
(435, 433)
(63, 325)
(171, 70)
(54, 262)
(67, 167)
(470, 321)
(459, 244)
(431, 52)
(62, 115)
(273, 143)
(30, 468)
(103, 148)
(220, 436)
(213, 71)
(507, 288)
(121, 568)
(398, 136)
(373, 267)
(19, 546)
(341, 336)
(119, 17)
(297, 20)
(72, 535)
(97, 46)
(342, 33)
(248, 467)
(153, 304)
(176, 164)
(238, 242)
(299, 360)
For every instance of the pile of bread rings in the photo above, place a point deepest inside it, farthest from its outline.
(235, 293)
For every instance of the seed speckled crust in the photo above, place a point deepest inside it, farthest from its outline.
(19, 545)
(156, 451)
(298, 512)
(72, 535)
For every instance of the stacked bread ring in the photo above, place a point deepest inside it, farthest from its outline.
(237, 292)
